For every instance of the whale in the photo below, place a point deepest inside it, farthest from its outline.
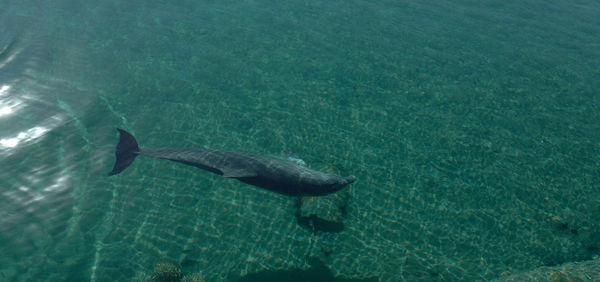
(280, 176)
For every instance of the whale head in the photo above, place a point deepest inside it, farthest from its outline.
(336, 183)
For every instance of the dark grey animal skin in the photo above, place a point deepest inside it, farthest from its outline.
(279, 176)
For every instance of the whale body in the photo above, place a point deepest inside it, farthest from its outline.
(284, 177)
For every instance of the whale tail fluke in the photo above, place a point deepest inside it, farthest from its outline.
(127, 150)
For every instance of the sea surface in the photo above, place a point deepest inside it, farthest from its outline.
(472, 127)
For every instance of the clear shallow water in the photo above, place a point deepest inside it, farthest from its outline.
(472, 129)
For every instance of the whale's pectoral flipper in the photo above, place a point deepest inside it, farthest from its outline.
(237, 173)
(127, 150)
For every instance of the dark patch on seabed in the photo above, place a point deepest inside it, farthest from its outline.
(318, 272)
(322, 214)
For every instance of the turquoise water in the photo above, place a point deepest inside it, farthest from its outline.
(473, 128)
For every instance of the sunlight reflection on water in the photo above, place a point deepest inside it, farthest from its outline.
(6, 107)
(25, 136)
(9, 107)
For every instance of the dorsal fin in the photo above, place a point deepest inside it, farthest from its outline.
(291, 157)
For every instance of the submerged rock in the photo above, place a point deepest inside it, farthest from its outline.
(323, 214)
(573, 271)
(166, 272)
